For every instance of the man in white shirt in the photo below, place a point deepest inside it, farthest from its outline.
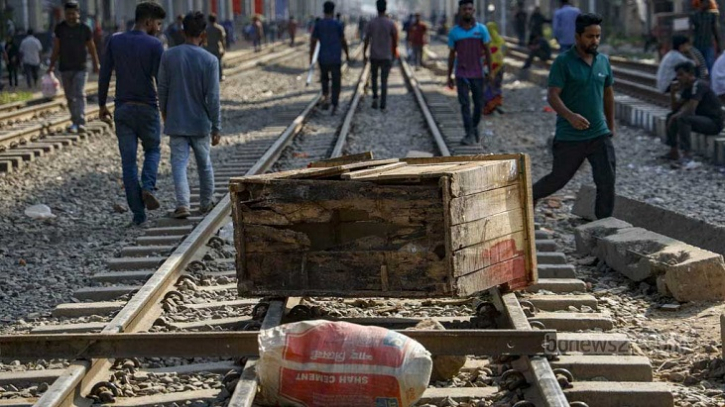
(717, 78)
(680, 53)
(30, 49)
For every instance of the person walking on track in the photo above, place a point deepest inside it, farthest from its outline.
(190, 107)
(331, 35)
(564, 25)
(468, 43)
(135, 56)
(581, 93)
(30, 49)
(417, 38)
(382, 39)
(216, 37)
(72, 38)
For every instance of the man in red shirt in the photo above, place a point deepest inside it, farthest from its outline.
(417, 39)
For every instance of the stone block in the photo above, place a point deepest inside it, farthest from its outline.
(628, 251)
(586, 236)
(686, 272)
(691, 274)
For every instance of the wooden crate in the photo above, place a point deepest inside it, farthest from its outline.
(422, 227)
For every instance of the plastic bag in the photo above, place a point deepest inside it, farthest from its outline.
(39, 212)
(49, 85)
(338, 364)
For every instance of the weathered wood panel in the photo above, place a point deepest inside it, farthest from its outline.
(472, 233)
(343, 273)
(480, 177)
(289, 202)
(469, 208)
(527, 202)
(344, 236)
(511, 272)
(494, 251)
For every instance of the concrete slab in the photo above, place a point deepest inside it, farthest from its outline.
(558, 285)
(84, 309)
(573, 321)
(586, 236)
(122, 276)
(551, 258)
(618, 394)
(659, 220)
(593, 343)
(145, 251)
(135, 263)
(104, 293)
(68, 328)
(605, 367)
(562, 302)
(546, 246)
(556, 271)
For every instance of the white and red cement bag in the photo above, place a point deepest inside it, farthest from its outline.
(338, 364)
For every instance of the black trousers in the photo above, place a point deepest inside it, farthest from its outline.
(539, 53)
(381, 67)
(569, 156)
(334, 70)
(678, 134)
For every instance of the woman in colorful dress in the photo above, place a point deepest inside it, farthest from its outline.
(493, 89)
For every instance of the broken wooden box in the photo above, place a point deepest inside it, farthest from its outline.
(420, 227)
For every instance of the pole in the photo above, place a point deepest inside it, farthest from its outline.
(592, 6)
(25, 15)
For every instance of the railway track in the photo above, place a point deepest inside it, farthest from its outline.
(180, 276)
(36, 128)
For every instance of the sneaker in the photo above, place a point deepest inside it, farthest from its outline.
(72, 129)
(469, 141)
(375, 104)
(150, 201)
(383, 109)
(181, 213)
(81, 129)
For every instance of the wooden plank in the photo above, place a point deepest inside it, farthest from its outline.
(446, 190)
(527, 202)
(469, 208)
(472, 233)
(282, 202)
(345, 159)
(486, 254)
(343, 236)
(375, 170)
(235, 182)
(344, 273)
(461, 158)
(328, 172)
(511, 272)
(474, 178)
(412, 173)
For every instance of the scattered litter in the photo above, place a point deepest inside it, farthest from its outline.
(300, 155)
(691, 165)
(39, 212)
(49, 85)
(670, 307)
(119, 208)
(548, 109)
(226, 233)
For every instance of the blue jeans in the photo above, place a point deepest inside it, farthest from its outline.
(136, 122)
(74, 86)
(709, 54)
(475, 88)
(179, 161)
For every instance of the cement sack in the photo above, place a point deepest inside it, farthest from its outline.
(338, 364)
(49, 85)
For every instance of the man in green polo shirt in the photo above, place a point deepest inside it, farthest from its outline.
(581, 93)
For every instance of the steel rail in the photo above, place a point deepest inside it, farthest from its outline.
(540, 372)
(450, 342)
(140, 312)
(432, 125)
